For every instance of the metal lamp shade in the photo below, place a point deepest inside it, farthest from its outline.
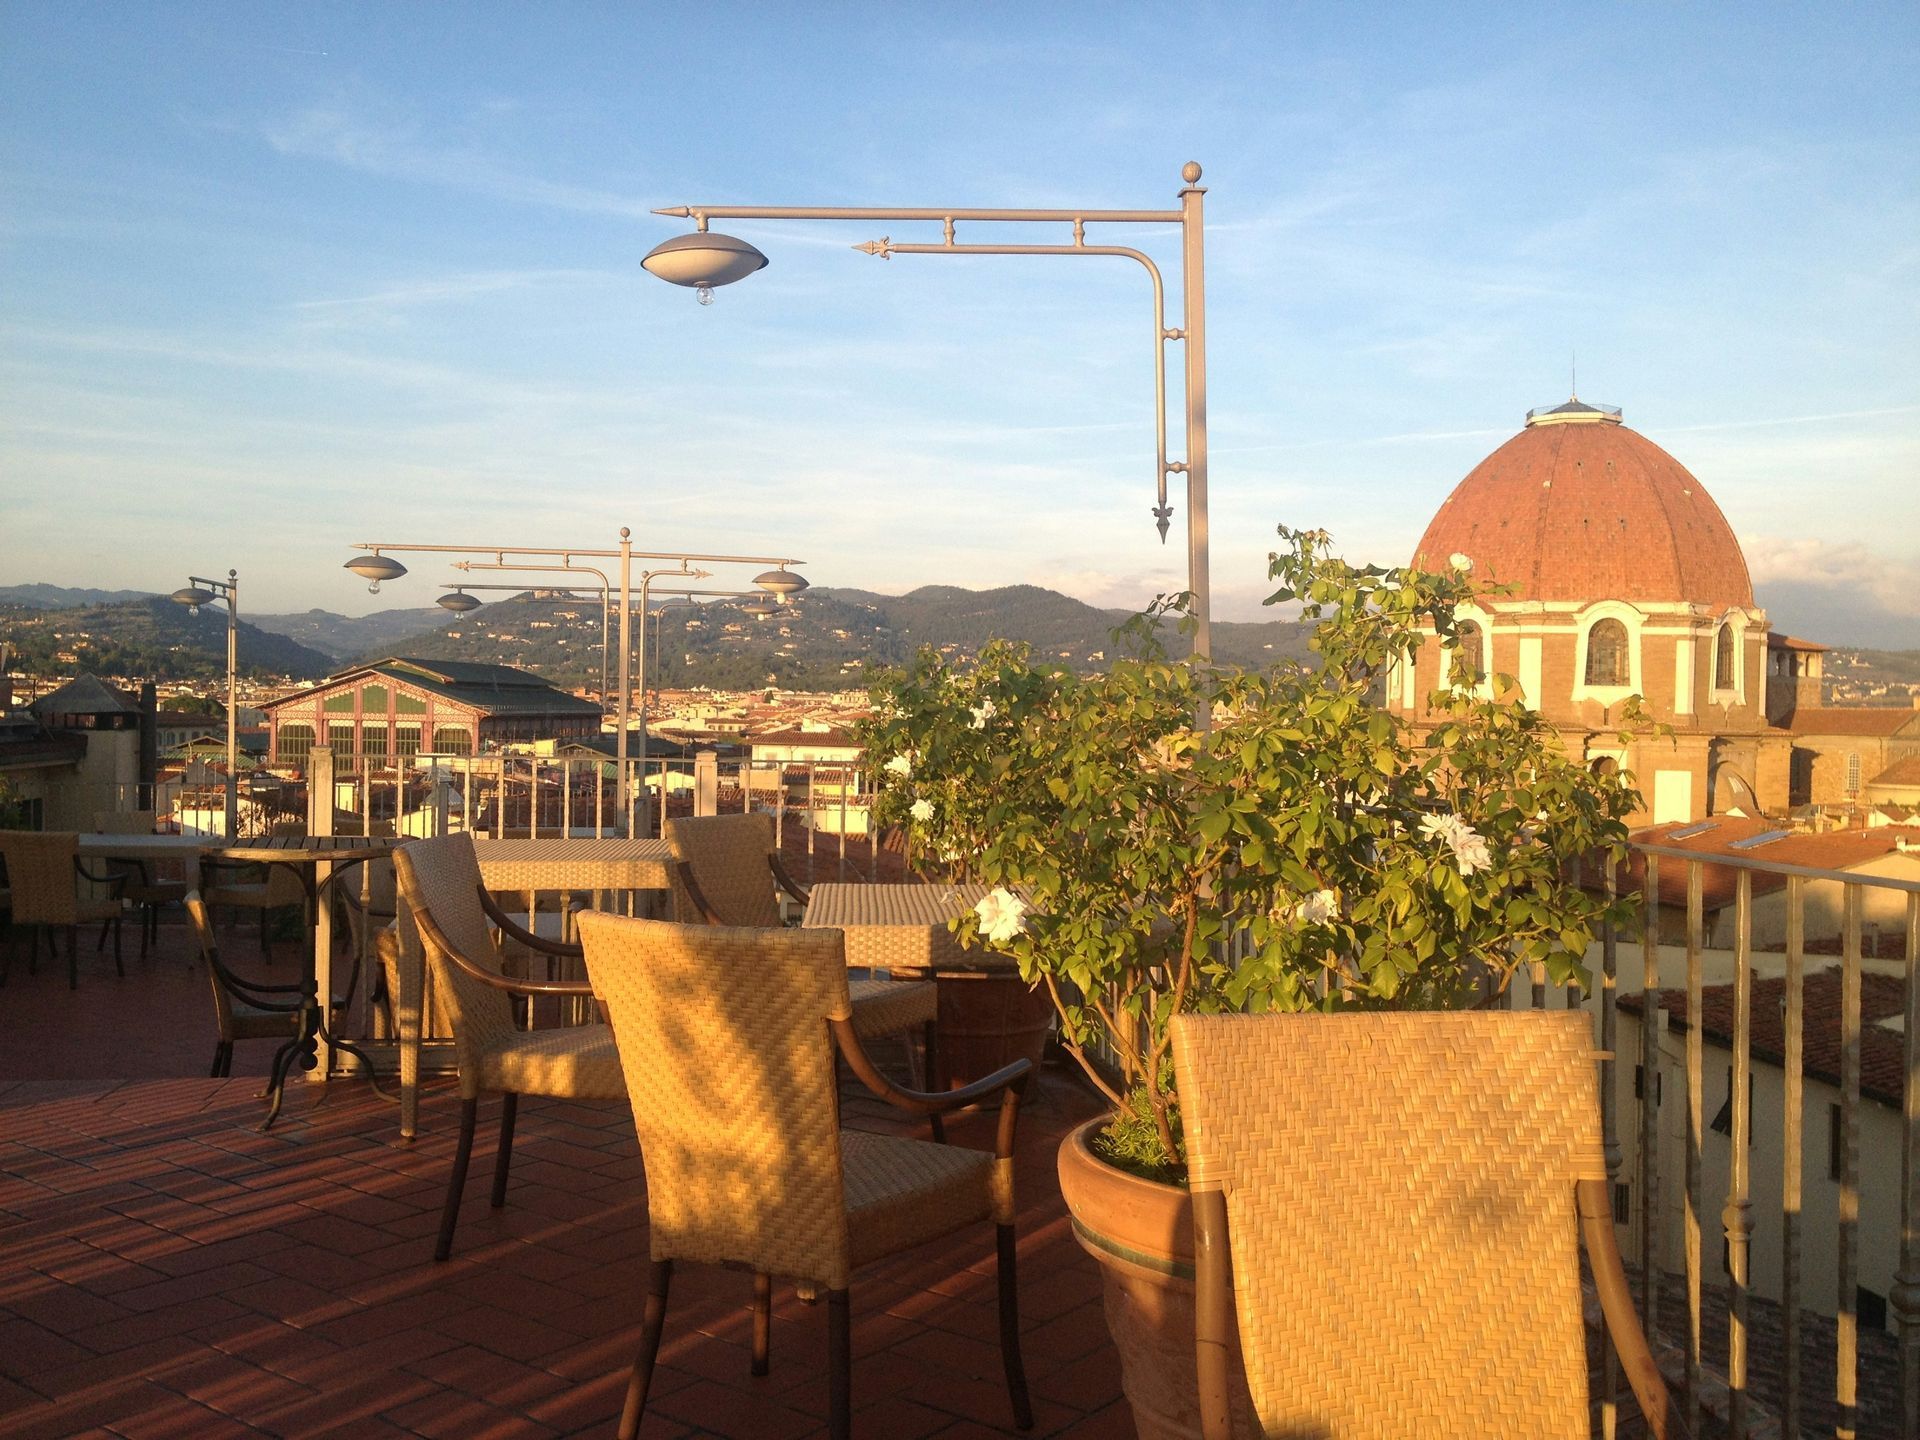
(703, 259)
(376, 567)
(193, 598)
(780, 582)
(458, 601)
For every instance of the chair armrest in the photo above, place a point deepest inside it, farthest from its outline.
(436, 937)
(115, 882)
(511, 929)
(1616, 1303)
(785, 880)
(1011, 1078)
(682, 875)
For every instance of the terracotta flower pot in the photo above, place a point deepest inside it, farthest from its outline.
(1141, 1232)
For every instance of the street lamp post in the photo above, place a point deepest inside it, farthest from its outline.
(200, 592)
(703, 260)
(376, 567)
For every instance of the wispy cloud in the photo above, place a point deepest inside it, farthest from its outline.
(1875, 581)
(397, 150)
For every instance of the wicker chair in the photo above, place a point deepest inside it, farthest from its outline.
(1403, 1231)
(733, 875)
(237, 885)
(43, 871)
(728, 1037)
(455, 919)
(366, 916)
(149, 887)
(243, 1009)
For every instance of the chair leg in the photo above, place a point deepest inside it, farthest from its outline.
(73, 959)
(457, 1182)
(839, 1365)
(119, 966)
(762, 1321)
(222, 1058)
(932, 1067)
(509, 1104)
(1010, 1328)
(659, 1277)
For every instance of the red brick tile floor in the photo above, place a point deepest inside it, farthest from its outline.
(168, 1270)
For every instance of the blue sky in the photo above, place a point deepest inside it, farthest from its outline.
(277, 278)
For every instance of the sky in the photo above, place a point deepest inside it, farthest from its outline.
(278, 278)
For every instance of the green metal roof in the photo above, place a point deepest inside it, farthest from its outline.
(493, 689)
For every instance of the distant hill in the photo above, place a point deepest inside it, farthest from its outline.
(1870, 677)
(823, 642)
(61, 597)
(148, 637)
(345, 636)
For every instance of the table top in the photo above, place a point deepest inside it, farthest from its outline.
(902, 928)
(838, 906)
(573, 864)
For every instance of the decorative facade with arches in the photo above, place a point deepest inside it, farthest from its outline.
(385, 714)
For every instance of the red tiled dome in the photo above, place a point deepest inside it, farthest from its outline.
(1578, 507)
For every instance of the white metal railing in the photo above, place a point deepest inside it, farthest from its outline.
(532, 796)
(1640, 1163)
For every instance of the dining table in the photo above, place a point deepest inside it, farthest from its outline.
(986, 1015)
(902, 929)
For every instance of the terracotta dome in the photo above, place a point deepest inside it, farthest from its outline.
(1578, 507)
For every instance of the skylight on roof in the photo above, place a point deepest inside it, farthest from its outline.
(1687, 832)
(1754, 842)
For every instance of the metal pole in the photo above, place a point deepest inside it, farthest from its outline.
(626, 636)
(645, 829)
(1194, 294)
(233, 705)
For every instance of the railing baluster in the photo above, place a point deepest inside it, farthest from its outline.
(1846, 1377)
(1737, 1216)
(1651, 1015)
(1905, 1294)
(1791, 1166)
(1696, 1200)
(1609, 1112)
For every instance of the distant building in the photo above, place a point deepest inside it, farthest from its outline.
(1627, 580)
(396, 708)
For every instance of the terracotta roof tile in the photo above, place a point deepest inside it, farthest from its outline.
(1861, 720)
(1882, 1057)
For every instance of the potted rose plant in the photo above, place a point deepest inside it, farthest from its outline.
(1306, 849)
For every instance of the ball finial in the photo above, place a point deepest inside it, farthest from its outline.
(625, 533)
(1190, 172)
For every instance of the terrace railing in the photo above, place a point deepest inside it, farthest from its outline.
(1634, 1151)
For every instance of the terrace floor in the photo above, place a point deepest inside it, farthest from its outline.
(167, 1270)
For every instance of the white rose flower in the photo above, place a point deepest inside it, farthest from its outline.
(921, 810)
(899, 765)
(1460, 562)
(1468, 845)
(984, 712)
(1317, 908)
(1003, 915)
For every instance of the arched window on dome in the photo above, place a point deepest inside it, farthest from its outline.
(1723, 659)
(1607, 658)
(1471, 644)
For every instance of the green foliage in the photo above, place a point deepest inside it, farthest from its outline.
(1306, 849)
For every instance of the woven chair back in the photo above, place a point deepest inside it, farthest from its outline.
(1400, 1207)
(442, 878)
(729, 1063)
(41, 876)
(728, 856)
